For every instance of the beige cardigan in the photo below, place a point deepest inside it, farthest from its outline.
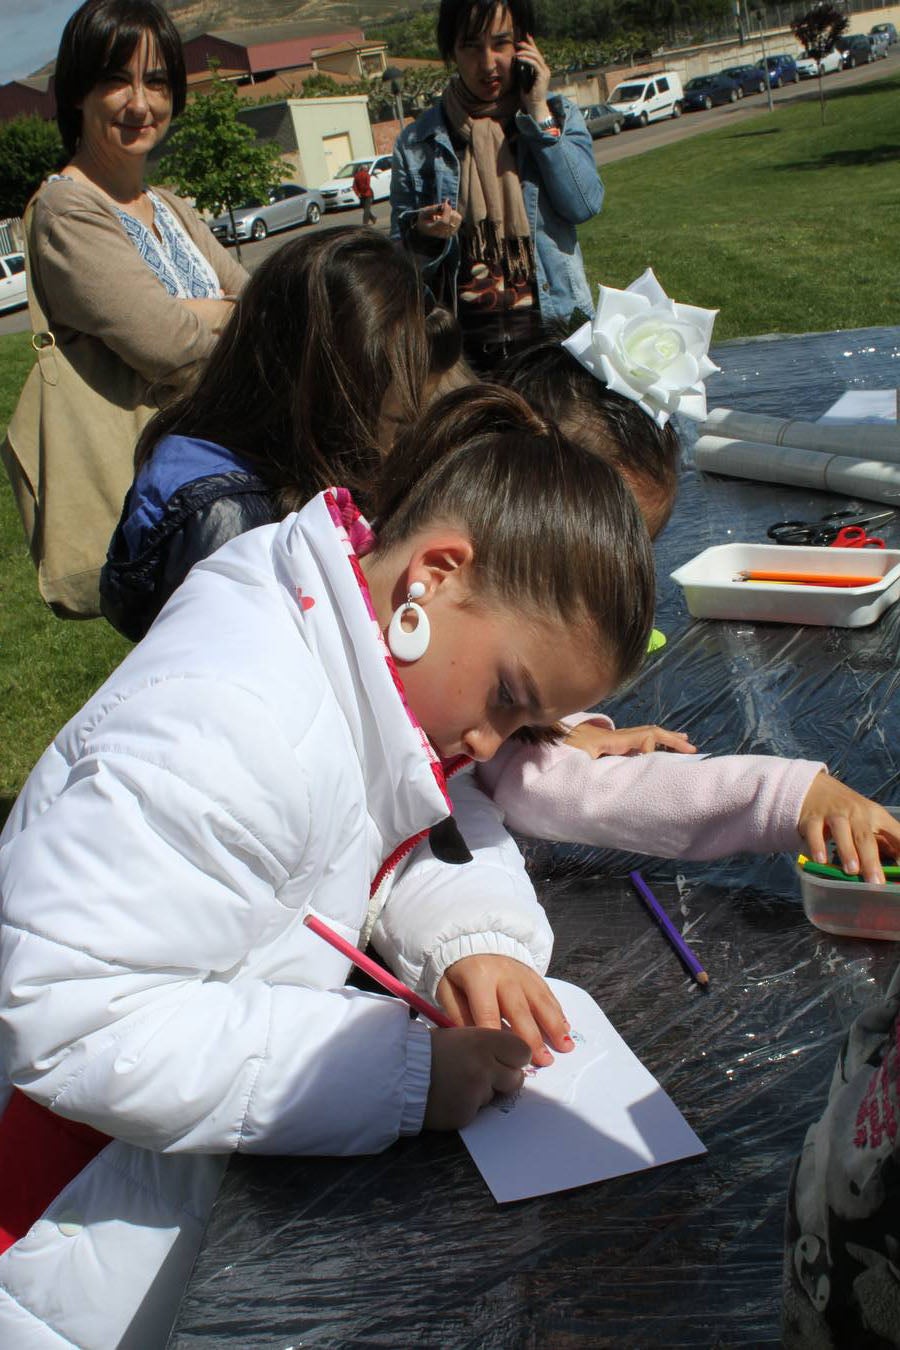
(121, 346)
(91, 281)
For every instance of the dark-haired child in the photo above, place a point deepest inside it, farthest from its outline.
(618, 788)
(332, 347)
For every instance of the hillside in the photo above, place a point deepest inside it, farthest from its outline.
(309, 16)
(305, 19)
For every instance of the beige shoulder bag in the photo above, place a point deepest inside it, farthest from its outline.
(69, 453)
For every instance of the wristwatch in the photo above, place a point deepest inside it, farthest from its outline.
(547, 122)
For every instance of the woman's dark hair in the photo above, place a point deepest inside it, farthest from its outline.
(99, 40)
(606, 423)
(296, 382)
(460, 19)
(554, 530)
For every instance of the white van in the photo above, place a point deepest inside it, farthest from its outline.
(649, 98)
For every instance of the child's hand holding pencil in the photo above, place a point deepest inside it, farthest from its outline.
(469, 1065)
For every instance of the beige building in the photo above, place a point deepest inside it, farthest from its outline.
(355, 60)
(316, 136)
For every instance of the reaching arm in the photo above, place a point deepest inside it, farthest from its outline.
(667, 805)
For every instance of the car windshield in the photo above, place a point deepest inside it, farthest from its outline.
(350, 169)
(699, 82)
(627, 92)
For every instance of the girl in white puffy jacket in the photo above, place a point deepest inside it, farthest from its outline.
(277, 746)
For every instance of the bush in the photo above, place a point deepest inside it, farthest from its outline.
(30, 148)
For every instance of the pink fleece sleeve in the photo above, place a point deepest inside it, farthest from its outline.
(663, 804)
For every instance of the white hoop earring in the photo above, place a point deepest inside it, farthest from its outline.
(410, 645)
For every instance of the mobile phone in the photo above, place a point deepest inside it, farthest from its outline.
(525, 75)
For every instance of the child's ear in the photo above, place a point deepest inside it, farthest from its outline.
(444, 557)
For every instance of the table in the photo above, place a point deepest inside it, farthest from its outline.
(408, 1249)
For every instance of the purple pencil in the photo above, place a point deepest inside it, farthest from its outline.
(669, 929)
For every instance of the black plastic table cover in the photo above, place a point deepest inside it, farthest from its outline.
(408, 1249)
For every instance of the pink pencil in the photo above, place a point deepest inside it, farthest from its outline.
(378, 973)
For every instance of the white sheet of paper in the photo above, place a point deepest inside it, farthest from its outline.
(594, 1113)
(864, 405)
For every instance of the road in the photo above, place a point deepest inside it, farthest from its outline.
(607, 150)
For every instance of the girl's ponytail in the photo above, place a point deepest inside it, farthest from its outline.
(471, 414)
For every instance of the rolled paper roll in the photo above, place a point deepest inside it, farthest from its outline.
(866, 440)
(871, 479)
(759, 461)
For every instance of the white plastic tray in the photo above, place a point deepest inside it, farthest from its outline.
(713, 590)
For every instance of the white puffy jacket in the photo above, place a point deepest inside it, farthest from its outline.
(251, 760)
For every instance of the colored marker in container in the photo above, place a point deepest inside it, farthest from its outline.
(891, 874)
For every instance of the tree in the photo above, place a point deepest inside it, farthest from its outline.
(817, 31)
(216, 159)
(320, 85)
(30, 148)
(409, 34)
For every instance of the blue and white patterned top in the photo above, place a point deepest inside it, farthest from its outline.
(173, 257)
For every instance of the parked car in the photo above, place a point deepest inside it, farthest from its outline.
(601, 119)
(887, 28)
(648, 98)
(856, 50)
(809, 68)
(782, 70)
(288, 205)
(705, 90)
(749, 79)
(13, 287)
(338, 191)
(879, 42)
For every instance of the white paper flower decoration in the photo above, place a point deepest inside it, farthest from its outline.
(649, 348)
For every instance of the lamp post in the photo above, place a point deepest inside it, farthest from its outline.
(394, 76)
(762, 39)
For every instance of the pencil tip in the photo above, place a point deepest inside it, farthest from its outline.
(702, 978)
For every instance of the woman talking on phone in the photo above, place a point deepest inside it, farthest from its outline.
(488, 185)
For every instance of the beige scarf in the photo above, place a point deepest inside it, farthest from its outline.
(495, 224)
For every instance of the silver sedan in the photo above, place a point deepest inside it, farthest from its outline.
(288, 205)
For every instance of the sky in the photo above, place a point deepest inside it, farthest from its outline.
(29, 34)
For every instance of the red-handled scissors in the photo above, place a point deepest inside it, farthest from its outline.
(839, 529)
(854, 536)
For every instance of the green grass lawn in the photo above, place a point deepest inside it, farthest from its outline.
(47, 667)
(781, 224)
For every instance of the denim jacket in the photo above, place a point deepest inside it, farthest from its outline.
(560, 186)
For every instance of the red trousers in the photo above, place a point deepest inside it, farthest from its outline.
(40, 1153)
